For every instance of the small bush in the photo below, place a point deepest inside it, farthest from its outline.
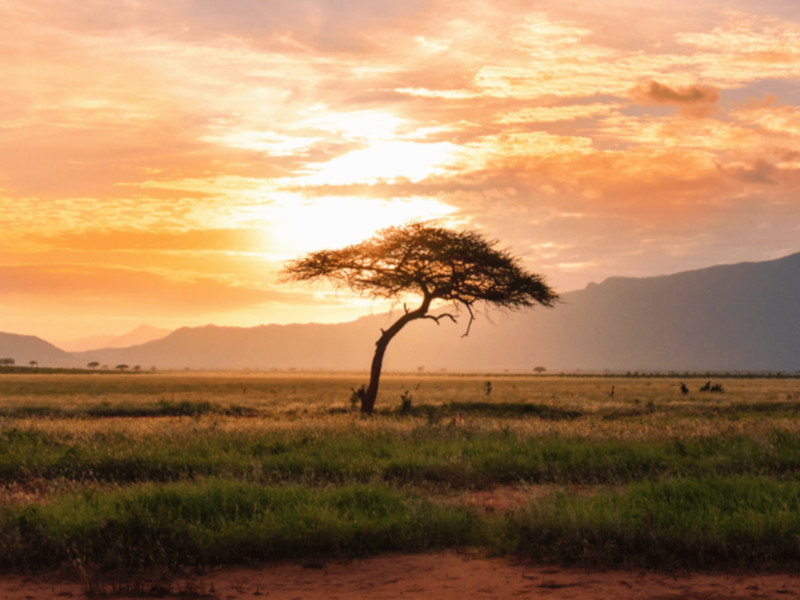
(405, 403)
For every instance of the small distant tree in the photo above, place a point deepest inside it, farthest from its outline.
(7, 362)
(33, 363)
(93, 365)
(431, 263)
(121, 367)
(539, 370)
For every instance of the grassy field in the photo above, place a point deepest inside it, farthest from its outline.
(124, 472)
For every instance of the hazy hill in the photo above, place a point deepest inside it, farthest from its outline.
(140, 335)
(307, 346)
(25, 348)
(732, 317)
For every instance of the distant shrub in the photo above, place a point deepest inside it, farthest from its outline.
(405, 403)
(357, 395)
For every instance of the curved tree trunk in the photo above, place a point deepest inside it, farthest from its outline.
(369, 397)
(368, 400)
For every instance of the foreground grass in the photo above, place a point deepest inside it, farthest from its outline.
(127, 473)
(718, 522)
(733, 522)
(221, 522)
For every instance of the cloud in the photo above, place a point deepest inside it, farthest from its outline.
(552, 114)
(204, 240)
(693, 94)
(747, 47)
(693, 100)
(346, 26)
(760, 171)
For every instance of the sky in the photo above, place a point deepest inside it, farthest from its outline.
(161, 160)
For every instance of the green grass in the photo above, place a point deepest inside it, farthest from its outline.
(199, 524)
(129, 472)
(740, 522)
(447, 456)
(733, 522)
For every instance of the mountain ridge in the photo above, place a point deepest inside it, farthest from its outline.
(26, 348)
(138, 335)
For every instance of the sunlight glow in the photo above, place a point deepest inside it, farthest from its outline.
(298, 226)
(355, 125)
(386, 161)
(276, 144)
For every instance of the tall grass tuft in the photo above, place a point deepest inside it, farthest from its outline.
(740, 522)
(221, 521)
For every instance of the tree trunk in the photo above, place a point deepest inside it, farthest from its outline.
(369, 397)
(368, 400)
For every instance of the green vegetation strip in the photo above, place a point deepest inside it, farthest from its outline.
(716, 523)
(221, 521)
(163, 408)
(444, 456)
(433, 412)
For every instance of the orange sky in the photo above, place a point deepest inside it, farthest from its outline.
(159, 160)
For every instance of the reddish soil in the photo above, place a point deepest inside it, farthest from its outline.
(442, 576)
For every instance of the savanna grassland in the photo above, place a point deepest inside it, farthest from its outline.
(124, 472)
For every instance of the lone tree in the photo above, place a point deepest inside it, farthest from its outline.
(430, 262)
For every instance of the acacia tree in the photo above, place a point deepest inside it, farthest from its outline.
(430, 262)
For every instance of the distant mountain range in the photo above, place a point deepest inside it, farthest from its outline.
(140, 335)
(730, 317)
(26, 348)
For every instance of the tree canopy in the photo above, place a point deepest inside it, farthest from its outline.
(430, 262)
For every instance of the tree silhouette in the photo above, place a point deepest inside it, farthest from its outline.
(93, 365)
(121, 367)
(431, 263)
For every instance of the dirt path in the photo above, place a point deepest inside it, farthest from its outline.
(441, 576)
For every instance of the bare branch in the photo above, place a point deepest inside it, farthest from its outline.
(471, 318)
(437, 318)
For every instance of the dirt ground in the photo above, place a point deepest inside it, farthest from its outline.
(442, 576)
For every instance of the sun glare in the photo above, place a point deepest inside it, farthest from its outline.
(382, 160)
(304, 226)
